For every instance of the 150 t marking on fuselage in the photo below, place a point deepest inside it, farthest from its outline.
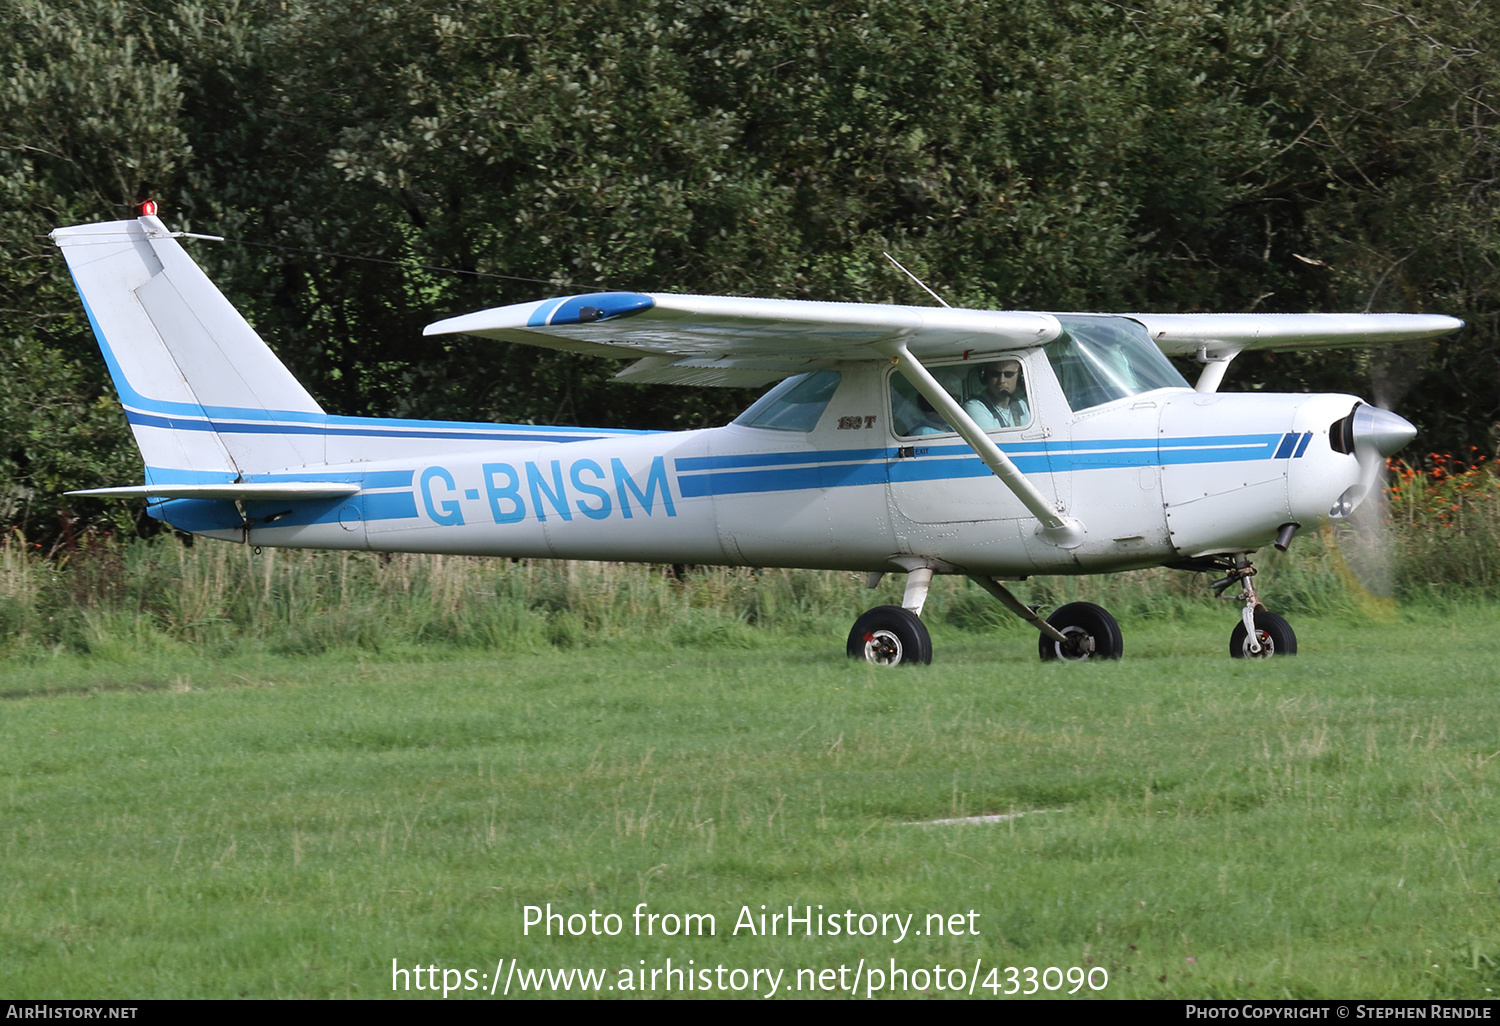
(582, 487)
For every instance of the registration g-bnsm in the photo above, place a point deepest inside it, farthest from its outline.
(900, 439)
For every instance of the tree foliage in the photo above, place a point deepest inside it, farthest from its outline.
(1231, 155)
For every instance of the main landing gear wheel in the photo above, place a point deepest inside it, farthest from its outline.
(1091, 632)
(1275, 635)
(890, 636)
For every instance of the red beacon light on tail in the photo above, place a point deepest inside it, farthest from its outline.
(148, 208)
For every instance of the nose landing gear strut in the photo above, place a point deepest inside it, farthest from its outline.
(1260, 633)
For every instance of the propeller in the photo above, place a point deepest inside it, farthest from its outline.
(1371, 434)
(1361, 531)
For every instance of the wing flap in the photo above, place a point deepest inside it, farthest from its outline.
(664, 370)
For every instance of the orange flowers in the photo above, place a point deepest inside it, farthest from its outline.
(1449, 492)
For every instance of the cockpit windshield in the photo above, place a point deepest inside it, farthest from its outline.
(794, 405)
(1101, 359)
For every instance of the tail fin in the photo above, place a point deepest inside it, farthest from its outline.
(206, 398)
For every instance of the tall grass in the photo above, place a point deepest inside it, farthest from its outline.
(140, 595)
(1445, 518)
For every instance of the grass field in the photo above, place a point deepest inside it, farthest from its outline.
(207, 819)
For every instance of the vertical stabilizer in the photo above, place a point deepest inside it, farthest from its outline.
(205, 396)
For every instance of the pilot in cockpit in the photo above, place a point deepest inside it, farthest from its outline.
(1001, 403)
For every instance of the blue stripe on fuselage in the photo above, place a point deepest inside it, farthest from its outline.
(770, 472)
(839, 475)
(687, 464)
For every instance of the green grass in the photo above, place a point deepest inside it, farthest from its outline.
(258, 820)
(115, 601)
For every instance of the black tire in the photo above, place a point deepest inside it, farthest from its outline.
(1092, 634)
(1275, 635)
(890, 636)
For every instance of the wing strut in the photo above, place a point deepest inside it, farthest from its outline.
(1015, 605)
(1062, 531)
(1216, 361)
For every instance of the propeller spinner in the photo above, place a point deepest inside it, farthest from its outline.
(1370, 434)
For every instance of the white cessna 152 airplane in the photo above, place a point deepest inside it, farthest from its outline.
(903, 439)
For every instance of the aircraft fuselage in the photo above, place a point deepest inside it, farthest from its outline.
(1154, 478)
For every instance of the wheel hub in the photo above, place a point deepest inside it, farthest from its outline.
(1080, 644)
(882, 648)
(1267, 646)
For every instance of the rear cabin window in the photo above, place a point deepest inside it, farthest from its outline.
(794, 405)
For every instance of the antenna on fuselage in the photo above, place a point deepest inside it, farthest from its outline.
(914, 278)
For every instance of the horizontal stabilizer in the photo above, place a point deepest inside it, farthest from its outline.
(250, 492)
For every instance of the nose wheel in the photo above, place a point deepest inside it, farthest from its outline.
(1273, 636)
(1260, 634)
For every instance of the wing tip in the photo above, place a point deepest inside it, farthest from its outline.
(588, 308)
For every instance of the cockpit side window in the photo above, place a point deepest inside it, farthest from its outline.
(993, 393)
(794, 405)
(1101, 359)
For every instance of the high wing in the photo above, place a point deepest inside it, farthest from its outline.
(726, 340)
(1216, 339)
